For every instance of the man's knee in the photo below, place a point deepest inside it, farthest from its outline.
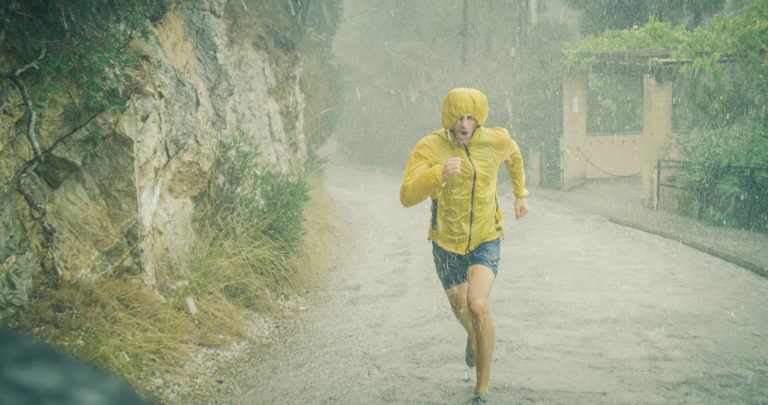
(457, 297)
(458, 307)
(478, 307)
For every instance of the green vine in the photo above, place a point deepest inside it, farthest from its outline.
(656, 37)
(725, 38)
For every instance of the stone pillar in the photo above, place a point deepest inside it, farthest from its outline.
(657, 131)
(573, 165)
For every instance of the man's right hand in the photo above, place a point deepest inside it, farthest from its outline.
(451, 168)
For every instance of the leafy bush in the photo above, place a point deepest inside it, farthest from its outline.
(729, 176)
(725, 62)
(283, 199)
(244, 200)
(250, 228)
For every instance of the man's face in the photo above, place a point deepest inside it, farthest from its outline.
(464, 128)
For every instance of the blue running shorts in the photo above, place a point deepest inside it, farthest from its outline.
(452, 267)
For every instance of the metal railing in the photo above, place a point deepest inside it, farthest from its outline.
(667, 172)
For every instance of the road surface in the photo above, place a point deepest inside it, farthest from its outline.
(586, 312)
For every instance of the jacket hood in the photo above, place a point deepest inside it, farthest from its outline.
(461, 102)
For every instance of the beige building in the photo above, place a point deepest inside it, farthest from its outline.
(586, 156)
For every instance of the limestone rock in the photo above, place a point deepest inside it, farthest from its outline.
(121, 193)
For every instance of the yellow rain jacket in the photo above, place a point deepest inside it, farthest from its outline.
(465, 210)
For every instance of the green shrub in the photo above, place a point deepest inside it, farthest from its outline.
(249, 201)
(85, 46)
(250, 229)
(284, 198)
(729, 175)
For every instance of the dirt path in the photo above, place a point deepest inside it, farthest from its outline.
(586, 311)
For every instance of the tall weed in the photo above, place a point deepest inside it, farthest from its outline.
(252, 226)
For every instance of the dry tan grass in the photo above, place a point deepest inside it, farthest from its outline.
(118, 324)
(137, 333)
(319, 250)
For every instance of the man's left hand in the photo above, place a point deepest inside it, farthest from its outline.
(521, 207)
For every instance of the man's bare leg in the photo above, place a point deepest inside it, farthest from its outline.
(481, 280)
(457, 297)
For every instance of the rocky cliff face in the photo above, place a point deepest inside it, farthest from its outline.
(121, 192)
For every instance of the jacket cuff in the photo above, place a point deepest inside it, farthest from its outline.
(437, 171)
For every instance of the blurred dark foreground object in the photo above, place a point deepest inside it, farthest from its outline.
(36, 374)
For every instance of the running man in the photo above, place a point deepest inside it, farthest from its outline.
(457, 167)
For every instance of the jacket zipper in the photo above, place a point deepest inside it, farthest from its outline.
(434, 214)
(496, 213)
(471, 199)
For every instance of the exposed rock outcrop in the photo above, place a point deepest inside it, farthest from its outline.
(121, 192)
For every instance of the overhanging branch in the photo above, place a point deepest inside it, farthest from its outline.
(29, 65)
(14, 76)
(37, 210)
(50, 260)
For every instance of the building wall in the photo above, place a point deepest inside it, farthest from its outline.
(590, 156)
(612, 155)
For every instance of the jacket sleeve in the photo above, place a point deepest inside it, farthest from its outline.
(516, 169)
(421, 177)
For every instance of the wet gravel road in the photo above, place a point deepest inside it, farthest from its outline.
(586, 311)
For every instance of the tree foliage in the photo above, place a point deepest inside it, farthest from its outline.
(599, 15)
(86, 45)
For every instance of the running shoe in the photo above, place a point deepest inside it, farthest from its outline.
(479, 399)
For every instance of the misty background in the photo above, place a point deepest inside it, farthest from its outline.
(398, 59)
